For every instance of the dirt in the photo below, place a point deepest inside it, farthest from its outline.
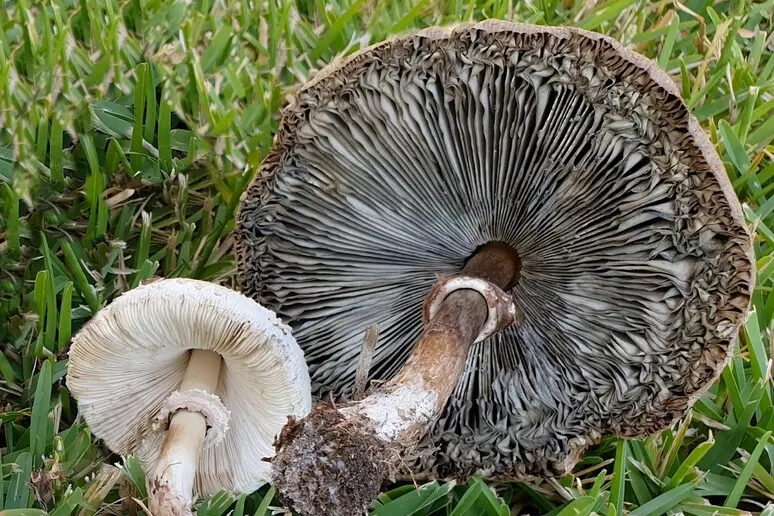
(164, 502)
(327, 464)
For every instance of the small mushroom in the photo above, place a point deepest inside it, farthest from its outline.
(194, 379)
(568, 173)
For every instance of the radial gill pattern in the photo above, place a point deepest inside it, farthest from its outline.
(396, 164)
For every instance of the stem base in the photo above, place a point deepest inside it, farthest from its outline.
(330, 464)
(164, 501)
(334, 460)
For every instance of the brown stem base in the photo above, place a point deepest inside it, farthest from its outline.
(331, 464)
(334, 460)
(166, 502)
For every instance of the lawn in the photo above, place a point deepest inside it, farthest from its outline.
(130, 128)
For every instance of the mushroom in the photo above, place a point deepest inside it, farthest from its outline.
(570, 172)
(193, 378)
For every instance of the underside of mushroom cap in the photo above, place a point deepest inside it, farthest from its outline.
(128, 361)
(396, 164)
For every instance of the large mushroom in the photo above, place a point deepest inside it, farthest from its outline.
(559, 167)
(196, 380)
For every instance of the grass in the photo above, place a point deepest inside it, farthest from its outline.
(129, 129)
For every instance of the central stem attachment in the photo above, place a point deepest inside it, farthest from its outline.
(172, 483)
(334, 460)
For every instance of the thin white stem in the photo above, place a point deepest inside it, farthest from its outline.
(171, 492)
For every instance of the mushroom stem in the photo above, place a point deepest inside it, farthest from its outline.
(360, 442)
(171, 490)
(428, 377)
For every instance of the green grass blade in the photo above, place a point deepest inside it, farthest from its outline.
(744, 477)
(669, 42)
(56, 160)
(409, 18)
(39, 419)
(690, 462)
(640, 487)
(263, 508)
(727, 442)
(223, 218)
(668, 461)
(73, 500)
(65, 316)
(541, 501)
(51, 308)
(416, 501)
(758, 356)
(734, 147)
(136, 475)
(165, 130)
(607, 12)
(705, 509)
(746, 119)
(41, 146)
(95, 186)
(618, 487)
(12, 229)
(82, 284)
(334, 31)
(146, 271)
(468, 501)
(239, 507)
(137, 129)
(217, 50)
(685, 79)
(664, 502)
(578, 507)
(2, 483)
(149, 123)
(216, 505)
(764, 477)
(19, 494)
(39, 296)
(143, 248)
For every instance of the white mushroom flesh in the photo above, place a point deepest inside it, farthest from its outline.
(128, 360)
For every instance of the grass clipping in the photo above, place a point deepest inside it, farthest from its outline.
(330, 464)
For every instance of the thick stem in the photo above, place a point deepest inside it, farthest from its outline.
(333, 461)
(171, 490)
(404, 406)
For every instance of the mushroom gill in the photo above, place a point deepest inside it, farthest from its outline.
(396, 164)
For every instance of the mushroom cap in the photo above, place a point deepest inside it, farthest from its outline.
(397, 163)
(132, 355)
